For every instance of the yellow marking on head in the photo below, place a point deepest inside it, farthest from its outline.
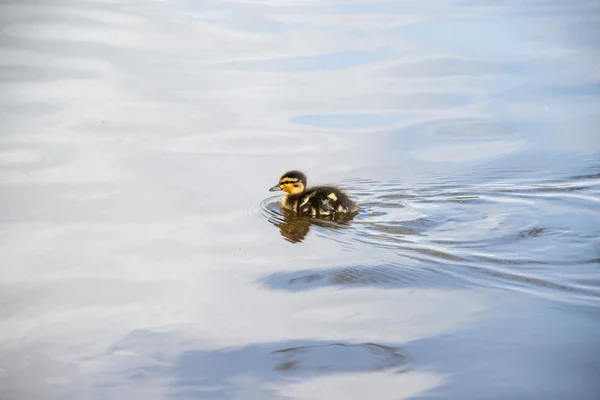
(285, 180)
(293, 188)
(313, 211)
(332, 196)
(341, 208)
(307, 198)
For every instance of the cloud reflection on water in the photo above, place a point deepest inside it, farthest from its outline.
(136, 138)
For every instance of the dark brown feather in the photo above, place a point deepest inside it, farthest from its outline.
(321, 201)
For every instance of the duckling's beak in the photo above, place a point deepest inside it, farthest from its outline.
(275, 188)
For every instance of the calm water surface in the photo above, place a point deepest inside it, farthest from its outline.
(144, 258)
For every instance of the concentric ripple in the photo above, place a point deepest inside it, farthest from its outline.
(518, 236)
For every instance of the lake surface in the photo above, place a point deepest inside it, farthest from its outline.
(143, 257)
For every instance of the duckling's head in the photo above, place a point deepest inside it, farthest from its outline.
(293, 182)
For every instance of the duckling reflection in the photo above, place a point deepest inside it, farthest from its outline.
(294, 227)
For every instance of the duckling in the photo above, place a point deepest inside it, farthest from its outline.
(316, 201)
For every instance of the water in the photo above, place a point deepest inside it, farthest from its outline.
(143, 256)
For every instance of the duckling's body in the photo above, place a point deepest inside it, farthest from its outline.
(319, 201)
(316, 201)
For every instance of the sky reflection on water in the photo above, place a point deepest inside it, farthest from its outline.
(142, 256)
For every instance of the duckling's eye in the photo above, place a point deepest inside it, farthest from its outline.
(296, 185)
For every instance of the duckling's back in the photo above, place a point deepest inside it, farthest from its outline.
(323, 201)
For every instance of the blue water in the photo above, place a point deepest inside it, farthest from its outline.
(142, 255)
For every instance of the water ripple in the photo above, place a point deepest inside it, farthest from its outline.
(506, 235)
